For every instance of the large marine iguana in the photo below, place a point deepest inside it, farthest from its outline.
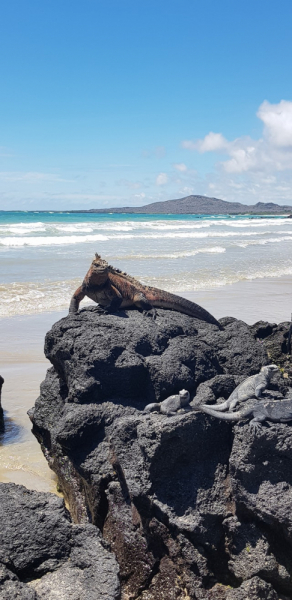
(277, 411)
(112, 290)
(250, 387)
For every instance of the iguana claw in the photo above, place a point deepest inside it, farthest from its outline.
(150, 313)
(101, 310)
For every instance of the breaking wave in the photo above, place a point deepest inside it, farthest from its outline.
(35, 297)
(174, 255)
(83, 239)
(51, 241)
(179, 255)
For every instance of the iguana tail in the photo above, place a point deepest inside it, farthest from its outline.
(162, 299)
(229, 416)
(217, 407)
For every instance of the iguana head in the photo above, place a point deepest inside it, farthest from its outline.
(269, 370)
(97, 273)
(99, 264)
(184, 397)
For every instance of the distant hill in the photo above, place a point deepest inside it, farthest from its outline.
(197, 205)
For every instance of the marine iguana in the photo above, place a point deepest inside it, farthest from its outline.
(112, 290)
(277, 411)
(252, 386)
(170, 405)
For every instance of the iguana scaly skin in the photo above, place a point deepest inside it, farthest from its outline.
(277, 411)
(250, 387)
(113, 290)
(170, 405)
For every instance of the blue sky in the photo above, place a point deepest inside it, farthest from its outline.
(126, 102)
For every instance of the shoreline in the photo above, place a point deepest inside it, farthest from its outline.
(239, 299)
(129, 211)
(23, 366)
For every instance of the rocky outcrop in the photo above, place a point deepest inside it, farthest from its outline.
(1, 409)
(43, 556)
(191, 507)
(129, 357)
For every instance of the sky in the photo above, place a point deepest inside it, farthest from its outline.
(126, 102)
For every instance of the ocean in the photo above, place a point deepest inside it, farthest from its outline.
(44, 256)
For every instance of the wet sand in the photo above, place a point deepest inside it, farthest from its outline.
(268, 299)
(23, 366)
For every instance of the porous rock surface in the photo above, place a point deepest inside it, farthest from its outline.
(43, 556)
(191, 507)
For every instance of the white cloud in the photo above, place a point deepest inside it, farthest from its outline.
(180, 167)
(271, 153)
(250, 187)
(186, 190)
(277, 119)
(242, 158)
(140, 196)
(211, 143)
(161, 179)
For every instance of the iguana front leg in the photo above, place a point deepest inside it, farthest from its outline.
(114, 305)
(115, 300)
(259, 389)
(76, 299)
(141, 302)
(255, 423)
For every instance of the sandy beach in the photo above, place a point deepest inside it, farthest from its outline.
(23, 366)
(267, 299)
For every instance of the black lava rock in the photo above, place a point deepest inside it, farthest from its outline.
(131, 357)
(44, 556)
(190, 506)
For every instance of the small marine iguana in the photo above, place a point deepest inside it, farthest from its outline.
(170, 405)
(112, 290)
(277, 411)
(252, 386)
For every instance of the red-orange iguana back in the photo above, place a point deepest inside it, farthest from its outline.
(112, 289)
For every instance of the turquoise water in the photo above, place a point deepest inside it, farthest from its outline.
(35, 216)
(44, 256)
